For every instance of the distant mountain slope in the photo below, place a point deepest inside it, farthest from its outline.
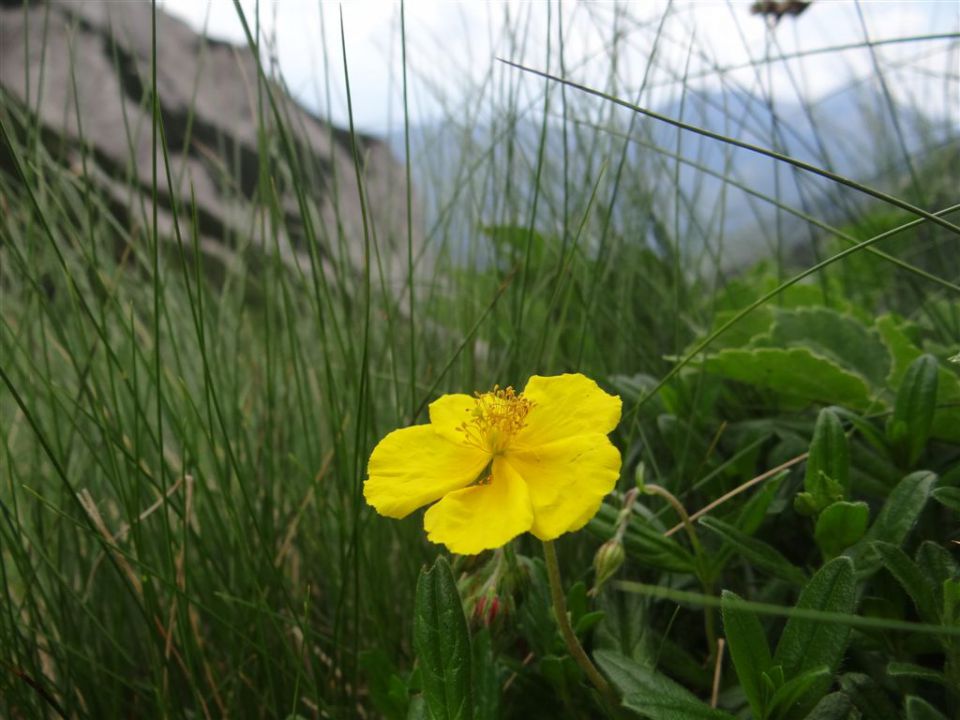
(850, 132)
(81, 72)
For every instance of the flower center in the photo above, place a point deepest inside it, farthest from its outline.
(497, 416)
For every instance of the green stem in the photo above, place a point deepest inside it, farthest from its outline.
(573, 645)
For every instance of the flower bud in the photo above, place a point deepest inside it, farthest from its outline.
(488, 609)
(607, 561)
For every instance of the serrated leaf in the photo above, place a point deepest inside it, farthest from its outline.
(748, 649)
(840, 525)
(758, 552)
(796, 373)
(915, 407)
(839, 336)
(651, 693)
(442, 643)
(911, 579)
(805, 643)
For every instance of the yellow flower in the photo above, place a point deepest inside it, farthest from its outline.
(501, 463)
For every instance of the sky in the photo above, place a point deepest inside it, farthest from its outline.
(452, 49)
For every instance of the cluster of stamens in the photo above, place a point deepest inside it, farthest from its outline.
(497, 416)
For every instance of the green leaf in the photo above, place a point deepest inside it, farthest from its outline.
(835, 706)
(807, 644)
(653, 694)
(840, 525)
(909, 670)
(827, 476)
(658, 707)
(949, 497)
(754, 511)
(840, 337)
(388, 692)
(895, 520)
(757, 551)
(946, 420)
(577, 601)
(418, 709)
(748, 648)
(535, 614)
(951, 604)
(915, 407)
(911, 579)
(442, 644)
(869, 698)
(936, 563)
(561, 672)
(920, 709)
(786, 700)
(587, 621)
(486, 683)
(796, 373)
(651, 548)
(623, 628)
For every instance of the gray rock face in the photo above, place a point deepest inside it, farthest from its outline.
(83, 69)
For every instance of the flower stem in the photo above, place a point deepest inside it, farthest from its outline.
(573, 645)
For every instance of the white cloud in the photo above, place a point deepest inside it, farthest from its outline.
(451, 48)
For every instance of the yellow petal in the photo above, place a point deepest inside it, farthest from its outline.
(481, 517)
(567, 480)
(414, 466)
(449, 412)
(565, 406)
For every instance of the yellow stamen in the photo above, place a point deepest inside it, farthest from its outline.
(497, 416)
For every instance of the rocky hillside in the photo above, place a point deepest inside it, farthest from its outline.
(80, 71)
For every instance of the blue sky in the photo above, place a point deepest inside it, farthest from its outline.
(451, 48)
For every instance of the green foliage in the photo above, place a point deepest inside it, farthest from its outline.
(807, 645)
(909, 426)
(652, 694)
(442, 644)
(748, 649)
(798, 375)
(185, 438)
(828, 466)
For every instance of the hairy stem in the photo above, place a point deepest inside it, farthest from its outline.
(573, 645)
